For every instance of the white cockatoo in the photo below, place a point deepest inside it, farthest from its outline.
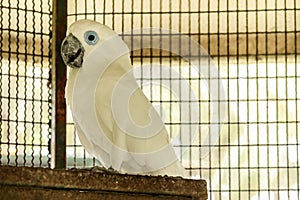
(114, 120)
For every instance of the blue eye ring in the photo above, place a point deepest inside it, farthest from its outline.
(91, 37)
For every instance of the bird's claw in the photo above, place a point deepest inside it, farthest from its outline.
(99, 169)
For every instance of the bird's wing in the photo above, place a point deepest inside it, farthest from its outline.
(131, 152)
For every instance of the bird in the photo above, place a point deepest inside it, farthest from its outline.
(113, 118)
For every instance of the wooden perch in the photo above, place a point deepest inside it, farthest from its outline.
(42, 183)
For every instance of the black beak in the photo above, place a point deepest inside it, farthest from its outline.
(72, 51)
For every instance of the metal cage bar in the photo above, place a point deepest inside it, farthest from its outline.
(58, 84)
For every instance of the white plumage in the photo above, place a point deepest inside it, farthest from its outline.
(114, 120)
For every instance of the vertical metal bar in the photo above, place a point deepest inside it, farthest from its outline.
(1, 85)
(17, 84)
(180, 68)
(248, 102)
(104, 14)
(296, 89)
(267, 95)
(41, 89)
(59, 24)
(278, 171)
(287, 125)
(34, 54)
(9, 87)
(170, 63)
(25, 86)
(229, 101)
(238, 100)
(189, 92)
(49, 3)
(209, 113)
(218, 77)
(257, 101)
(199, 86)
(74, 132)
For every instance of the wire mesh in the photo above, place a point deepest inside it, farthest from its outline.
(25, 104)
(255, 45)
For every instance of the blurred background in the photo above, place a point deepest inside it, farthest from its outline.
(254, 46)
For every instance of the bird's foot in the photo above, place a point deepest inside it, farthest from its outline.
(101, 169)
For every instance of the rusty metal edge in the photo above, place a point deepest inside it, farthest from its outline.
(58, 143)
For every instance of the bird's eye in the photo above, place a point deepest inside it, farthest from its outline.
(91, 37)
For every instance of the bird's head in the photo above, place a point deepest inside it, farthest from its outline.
(82, 37)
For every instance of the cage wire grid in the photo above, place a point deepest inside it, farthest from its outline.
(24, 83)
(255, 45)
